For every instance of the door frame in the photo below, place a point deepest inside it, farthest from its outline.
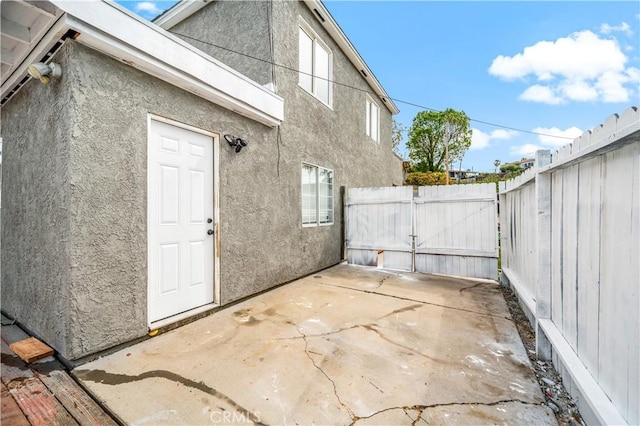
(215, 139)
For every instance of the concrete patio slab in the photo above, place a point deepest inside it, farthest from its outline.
(349, 345)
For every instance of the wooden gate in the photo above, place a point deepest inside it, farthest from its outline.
(440, 229)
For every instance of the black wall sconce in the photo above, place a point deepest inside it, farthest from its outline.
(237, 143)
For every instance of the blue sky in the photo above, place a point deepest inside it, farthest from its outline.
(549, 67)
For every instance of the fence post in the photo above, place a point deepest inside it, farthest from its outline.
(343, 227)
(543, 245)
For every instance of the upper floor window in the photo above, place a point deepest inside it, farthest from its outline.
(373, 119)
(315, 66)
(317, 195)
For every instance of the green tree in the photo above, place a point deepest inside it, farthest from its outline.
(496, 164)
(397, 129)
(430, 134)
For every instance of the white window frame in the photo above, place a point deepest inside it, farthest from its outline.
(316, 44)
(372, 109)
(317, 221)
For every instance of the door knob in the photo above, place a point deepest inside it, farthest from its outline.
(210, 231)
(209, 220)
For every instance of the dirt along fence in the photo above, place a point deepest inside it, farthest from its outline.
(570, 236)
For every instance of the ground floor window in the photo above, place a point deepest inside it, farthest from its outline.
(317, 195)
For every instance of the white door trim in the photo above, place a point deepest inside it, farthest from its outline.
(216, 220)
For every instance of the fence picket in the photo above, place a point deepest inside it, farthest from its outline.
(593, 265)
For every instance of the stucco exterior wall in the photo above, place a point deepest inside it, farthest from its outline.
(109, 177)
(240, 26)
(36, 233)
(84, 261)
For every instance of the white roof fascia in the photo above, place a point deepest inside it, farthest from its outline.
(179, 12)
(186, 8)
(341, 40)
(50, 38)
(108, 28)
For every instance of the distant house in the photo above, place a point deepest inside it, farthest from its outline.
(524, 163)
(160, 177)
(459, 175)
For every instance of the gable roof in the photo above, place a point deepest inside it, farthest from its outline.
(113, 30)
(185, 8)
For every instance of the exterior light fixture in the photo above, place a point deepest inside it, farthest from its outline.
(235, 142)
(44, 72)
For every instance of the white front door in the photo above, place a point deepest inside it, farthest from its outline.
(180, 220)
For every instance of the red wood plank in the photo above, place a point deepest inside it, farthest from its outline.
(77, 402)
(38, 403)
(11, 414)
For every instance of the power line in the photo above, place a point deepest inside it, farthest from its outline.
(364, 90)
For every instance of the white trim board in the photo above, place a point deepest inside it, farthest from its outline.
(217, 301)
(592, 393)
(110, 29)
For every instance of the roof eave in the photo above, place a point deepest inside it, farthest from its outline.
(110, 29)
(334, 30)
(179, 12)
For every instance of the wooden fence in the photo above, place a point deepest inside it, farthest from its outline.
(442, 229)
(570, 234)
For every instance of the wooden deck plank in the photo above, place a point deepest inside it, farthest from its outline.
(80, 405)
(38, 403)
(11, 414)
(31, 349)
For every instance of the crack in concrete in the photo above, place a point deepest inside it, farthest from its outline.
(107, 378)
(419, 408)
(324, 373)
(418, 301)
(383, 280)
(471, 287)
(372, 327)
(328, 333)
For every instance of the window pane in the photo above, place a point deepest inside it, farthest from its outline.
(309, 195)
(326, 196)
(374, 121)
(368, 118)
(321, 73)
(305, 61)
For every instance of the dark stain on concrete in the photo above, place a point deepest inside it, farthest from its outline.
(471, 287)
(101, 376)
(405, 309)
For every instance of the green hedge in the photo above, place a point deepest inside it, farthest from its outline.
(427, 178)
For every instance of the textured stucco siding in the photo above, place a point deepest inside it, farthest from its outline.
(271, 246)
(74, 206)
(109, 193)
(237, 26)
(35, 208)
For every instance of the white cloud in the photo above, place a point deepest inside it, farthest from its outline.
(538, 93)
(581, 67)
(571, 132)
(481, 140)
(503, 134)
(579, 90)
(147, 7)
(526, 150)
(623, 28)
